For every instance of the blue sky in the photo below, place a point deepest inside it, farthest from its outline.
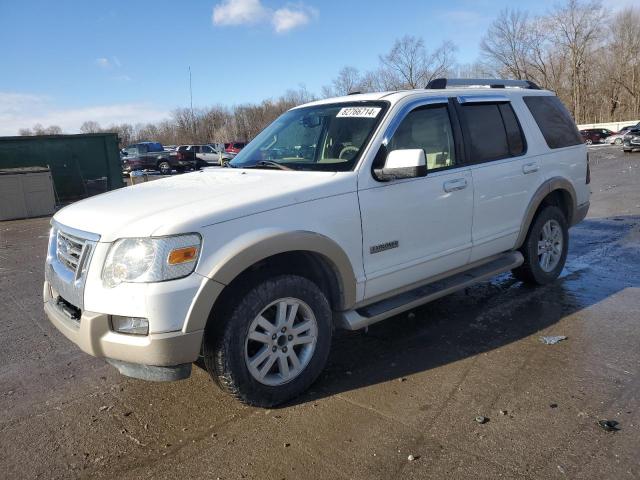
(64, 62)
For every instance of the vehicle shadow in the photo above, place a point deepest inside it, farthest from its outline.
(601, 262)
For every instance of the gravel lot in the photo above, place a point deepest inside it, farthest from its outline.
(412, 385)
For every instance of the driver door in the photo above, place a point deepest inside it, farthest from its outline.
(414, 229)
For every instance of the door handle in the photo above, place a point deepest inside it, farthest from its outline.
(530, 168)
(454, 185)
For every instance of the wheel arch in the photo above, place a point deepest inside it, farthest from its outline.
(279, 252)
(555, 191)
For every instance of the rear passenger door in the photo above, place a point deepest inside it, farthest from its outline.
(504, 177)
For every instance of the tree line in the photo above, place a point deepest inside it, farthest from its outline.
(589, 58)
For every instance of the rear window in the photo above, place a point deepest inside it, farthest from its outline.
(555, 122)
(494, 131)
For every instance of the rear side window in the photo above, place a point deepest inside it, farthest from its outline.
(515, 138)
(554, 121)
(494, 131)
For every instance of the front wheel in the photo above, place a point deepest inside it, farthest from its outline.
(273, 341)
(164, 167)
(545, 248)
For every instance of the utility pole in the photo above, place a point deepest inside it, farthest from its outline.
(193, 118)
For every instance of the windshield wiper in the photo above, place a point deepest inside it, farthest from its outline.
(268, 164)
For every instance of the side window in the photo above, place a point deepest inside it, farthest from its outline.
(515, 137)
(554, 121)
(487, 134)
(427, 128)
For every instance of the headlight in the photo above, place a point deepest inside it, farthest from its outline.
(143, 260)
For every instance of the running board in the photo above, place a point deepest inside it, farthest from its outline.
(375, 312)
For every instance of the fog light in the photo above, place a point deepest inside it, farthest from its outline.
(130, 325)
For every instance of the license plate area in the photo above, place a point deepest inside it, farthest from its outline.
(65, 307)
(72, 312)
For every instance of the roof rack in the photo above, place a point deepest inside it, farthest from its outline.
(441, 83)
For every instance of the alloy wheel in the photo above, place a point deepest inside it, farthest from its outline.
(550, 245)
(280, 341)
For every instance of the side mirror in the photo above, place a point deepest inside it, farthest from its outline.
(410, 163)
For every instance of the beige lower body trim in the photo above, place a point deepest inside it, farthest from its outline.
(94, 336)
(580, 213)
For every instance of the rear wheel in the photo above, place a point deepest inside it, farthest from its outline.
(545, 248)
(588, 141)
(273, 341)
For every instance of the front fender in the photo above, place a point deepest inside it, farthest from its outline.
(232, 259)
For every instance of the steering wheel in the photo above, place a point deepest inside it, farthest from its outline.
(347, 149)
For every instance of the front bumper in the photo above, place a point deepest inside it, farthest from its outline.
(93, 334)
(580, 213)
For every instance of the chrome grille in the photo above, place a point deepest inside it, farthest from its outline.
(68, 259)
(69, 250)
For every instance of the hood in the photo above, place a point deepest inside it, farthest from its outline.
(185, 203)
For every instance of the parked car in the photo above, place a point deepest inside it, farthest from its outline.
(631, 140)
(152, 156)
(595, 135)
(234, 147)
(206, 155)
(399, 199)
(618, 137)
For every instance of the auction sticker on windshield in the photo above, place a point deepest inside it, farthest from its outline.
(359, 112)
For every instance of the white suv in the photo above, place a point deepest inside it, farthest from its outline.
(341, 213)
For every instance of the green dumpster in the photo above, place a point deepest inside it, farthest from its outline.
(81, 165)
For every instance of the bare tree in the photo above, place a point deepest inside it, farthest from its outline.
(623, 68)
(90, 127)
(577, 28)
(507, 44)
(347, 81)
(410, 65)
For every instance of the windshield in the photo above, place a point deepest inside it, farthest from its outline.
(323, 137)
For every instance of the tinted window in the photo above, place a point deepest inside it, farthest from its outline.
(554, 121)
(429, 129)
(515, 137)
(488, 137)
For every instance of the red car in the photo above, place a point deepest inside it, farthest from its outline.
(234, 147)
(595, 135)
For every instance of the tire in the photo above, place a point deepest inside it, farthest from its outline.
(164, 167)
(618, 141)
(549, 225)
(229, 351)
(588, 141)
